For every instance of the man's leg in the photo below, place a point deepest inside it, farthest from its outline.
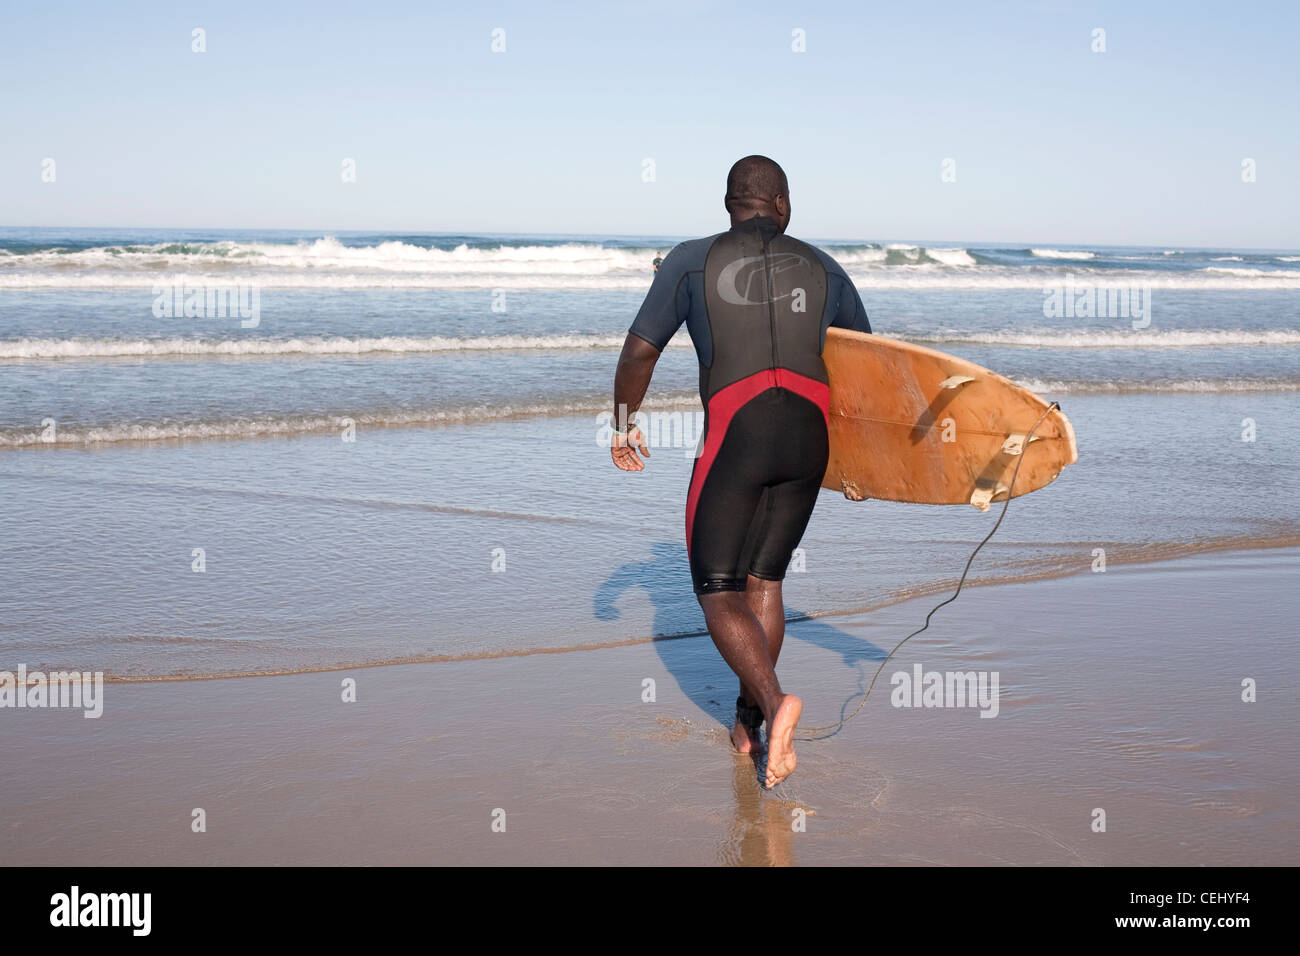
(765, 603)
(728, 510)
(743, 645)
(781, 523)
(741, 641)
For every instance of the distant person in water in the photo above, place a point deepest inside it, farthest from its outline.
(757, 304)
(658, 259)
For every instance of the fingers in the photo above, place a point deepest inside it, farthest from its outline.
(624, 450)
(626, 459)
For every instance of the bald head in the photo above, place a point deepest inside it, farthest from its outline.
(756, 186)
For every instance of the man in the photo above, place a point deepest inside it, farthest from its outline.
(757, 304)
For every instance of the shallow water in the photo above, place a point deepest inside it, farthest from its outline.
(129, 441)
(319, 552)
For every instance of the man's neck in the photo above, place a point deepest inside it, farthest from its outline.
(760, 220)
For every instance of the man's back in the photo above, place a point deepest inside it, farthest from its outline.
(754, 300)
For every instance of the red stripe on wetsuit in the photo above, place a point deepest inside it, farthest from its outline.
(722, 408)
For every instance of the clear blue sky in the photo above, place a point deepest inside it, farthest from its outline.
(1139, 145)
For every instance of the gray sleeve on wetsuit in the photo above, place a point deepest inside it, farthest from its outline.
(668, 302)
(850, 313)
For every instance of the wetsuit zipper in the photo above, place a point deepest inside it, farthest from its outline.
(771, 310)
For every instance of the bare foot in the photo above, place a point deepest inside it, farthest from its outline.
(744, 742)
(780, 740)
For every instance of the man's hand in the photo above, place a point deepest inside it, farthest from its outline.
(624, 449)
(636, 363)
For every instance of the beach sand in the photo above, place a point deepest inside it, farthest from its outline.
(1119, 690)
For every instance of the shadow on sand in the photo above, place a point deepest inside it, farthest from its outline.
(760, 832)
(679, 629)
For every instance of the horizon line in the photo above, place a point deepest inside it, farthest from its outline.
(327, 232)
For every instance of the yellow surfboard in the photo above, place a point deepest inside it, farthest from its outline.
(908, 423)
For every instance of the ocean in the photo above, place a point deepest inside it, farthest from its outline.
(234, 452)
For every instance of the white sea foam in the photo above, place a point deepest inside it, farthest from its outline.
(1188, 386)
(329, 264)
(238, 429)
(996, 278)
(850, 257)
(144, 282)
(1275, 274)
(951, 257)
(77, 348)
(883, 277)
(905, 255)
(30, 348)
(244, 428)
(1058, 254)
(330, 254)
(1116, 340)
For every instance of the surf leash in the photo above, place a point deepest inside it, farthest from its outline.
(821, 733)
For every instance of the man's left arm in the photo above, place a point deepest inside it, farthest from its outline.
(849, 313)
(853, 314)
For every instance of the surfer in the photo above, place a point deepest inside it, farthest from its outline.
(658, 261)
(757, 304)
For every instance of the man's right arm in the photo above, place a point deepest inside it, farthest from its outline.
(661, 315)
(636, 365)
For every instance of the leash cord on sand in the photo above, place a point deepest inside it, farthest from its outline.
(819, 733)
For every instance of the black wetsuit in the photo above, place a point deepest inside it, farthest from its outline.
(757, 304)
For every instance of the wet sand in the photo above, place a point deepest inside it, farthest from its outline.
(1120, 691)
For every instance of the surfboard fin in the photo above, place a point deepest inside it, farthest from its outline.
(984, 495)
(956, 381)
(1015, 444)
(851, 490)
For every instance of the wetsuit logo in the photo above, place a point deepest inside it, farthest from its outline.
(742, 282)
